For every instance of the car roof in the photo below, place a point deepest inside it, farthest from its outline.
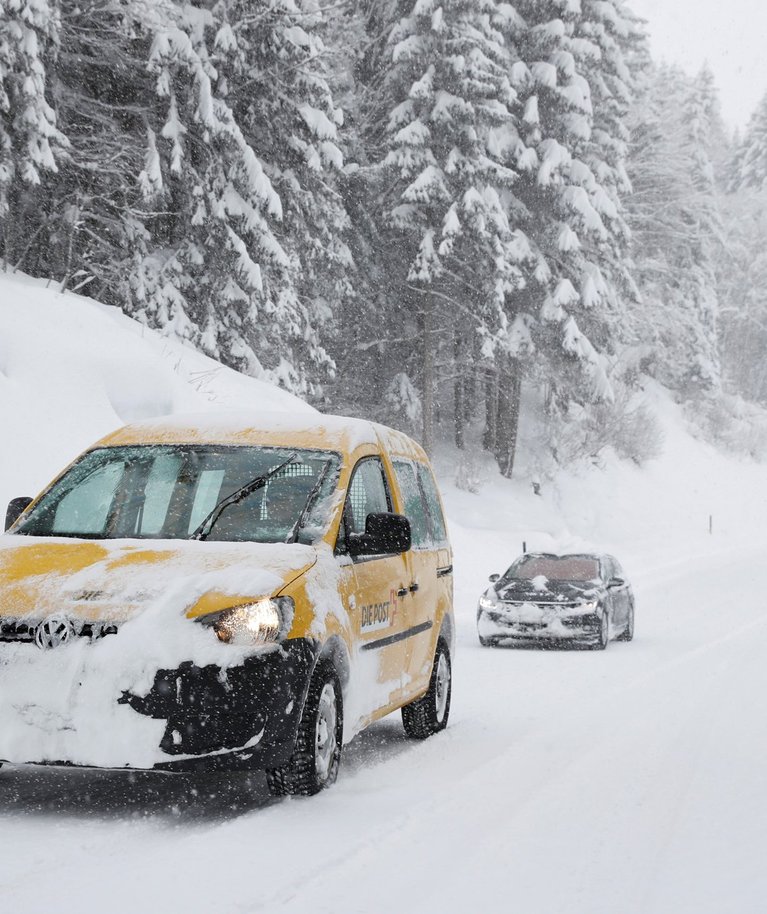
(308, 429)
(565, 555)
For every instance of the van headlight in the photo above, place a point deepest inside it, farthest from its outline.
(486, 602)
(264, 621)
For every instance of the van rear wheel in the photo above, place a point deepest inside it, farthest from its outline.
(428, 714)
(313, 766)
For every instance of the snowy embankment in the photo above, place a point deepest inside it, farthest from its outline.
(72, 370)
(627, 781)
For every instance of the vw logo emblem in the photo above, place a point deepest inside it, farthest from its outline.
(53, 632)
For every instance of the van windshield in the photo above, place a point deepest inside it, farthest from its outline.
(166, 492)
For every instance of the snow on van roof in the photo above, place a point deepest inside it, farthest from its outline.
(244, 426)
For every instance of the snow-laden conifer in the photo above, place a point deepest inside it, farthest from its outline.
(444, 96)
(676, 228)
(29, 135)
(750, 159)
(273, 58)
(242, 151)
(568, 64)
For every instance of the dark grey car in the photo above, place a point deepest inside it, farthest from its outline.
(547, 599)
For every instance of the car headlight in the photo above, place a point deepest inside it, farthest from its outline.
(486, 602)
(590, 606)
(264, 621)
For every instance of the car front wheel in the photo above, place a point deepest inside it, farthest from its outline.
(428, 714)
(317, 753)
(628, 633)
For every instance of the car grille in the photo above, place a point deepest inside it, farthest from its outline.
(14, 630)
(585, 623)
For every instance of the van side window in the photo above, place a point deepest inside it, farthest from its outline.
(368, 494)
(415, 507)
(429, 489)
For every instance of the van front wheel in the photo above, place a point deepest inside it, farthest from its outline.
(317, 753)
(428, 714)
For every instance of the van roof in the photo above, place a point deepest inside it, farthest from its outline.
(308, 429)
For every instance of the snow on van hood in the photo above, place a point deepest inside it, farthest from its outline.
(111, 581)
(61, 705)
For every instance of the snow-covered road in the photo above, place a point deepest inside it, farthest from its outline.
(568, 781)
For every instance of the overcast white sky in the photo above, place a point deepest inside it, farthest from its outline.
(730, 34)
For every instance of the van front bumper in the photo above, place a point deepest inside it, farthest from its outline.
(192, 717)
(244, 716)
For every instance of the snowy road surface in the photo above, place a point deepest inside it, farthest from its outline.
(626, 781)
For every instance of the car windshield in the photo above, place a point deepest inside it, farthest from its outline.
(166, 492)
(555, 568)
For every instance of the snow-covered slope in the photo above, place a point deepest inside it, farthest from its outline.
(72, 370)
(623, 782)
(692, 501)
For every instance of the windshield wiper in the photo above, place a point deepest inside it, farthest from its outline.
(235, 498)
(293, 535)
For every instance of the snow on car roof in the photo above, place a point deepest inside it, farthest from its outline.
(243, 427)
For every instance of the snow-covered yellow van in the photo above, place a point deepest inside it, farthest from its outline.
(247, 590)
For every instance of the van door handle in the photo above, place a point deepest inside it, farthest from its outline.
(402, 592)
(414, 587)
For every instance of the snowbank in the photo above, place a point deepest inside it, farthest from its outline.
(72, 370)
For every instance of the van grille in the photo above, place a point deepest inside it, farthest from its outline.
(14, 630)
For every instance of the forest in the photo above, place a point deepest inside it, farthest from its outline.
(445, 215)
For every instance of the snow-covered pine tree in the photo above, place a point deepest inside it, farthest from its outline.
(704, 126)
(213, 264)
(750, 160)
(675, 222)
(742, 293)
(440, 92)
(742, 269)
(568, 65)
(273, 59)
(29, 136)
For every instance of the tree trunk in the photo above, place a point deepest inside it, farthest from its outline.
(427, 364)
(490, 385)
(459, 392)
(509, 394)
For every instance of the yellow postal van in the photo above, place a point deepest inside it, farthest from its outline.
(247, 590)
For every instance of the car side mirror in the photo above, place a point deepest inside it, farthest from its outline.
(616, 582)
(16, 507)
(493, 578)
(385, 534)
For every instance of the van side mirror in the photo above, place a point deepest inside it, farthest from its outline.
(616, 582)
(16, 507)
(493, 578)
(384, 534)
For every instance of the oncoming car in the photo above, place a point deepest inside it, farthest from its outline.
(545, 599)
(248, 591)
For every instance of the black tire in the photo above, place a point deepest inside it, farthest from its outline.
(429, 714)
(628, 634)
(313, 766)
(604, 633)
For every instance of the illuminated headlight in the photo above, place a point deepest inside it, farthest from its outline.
(590, 606)
(487, 603)
(260, 622)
